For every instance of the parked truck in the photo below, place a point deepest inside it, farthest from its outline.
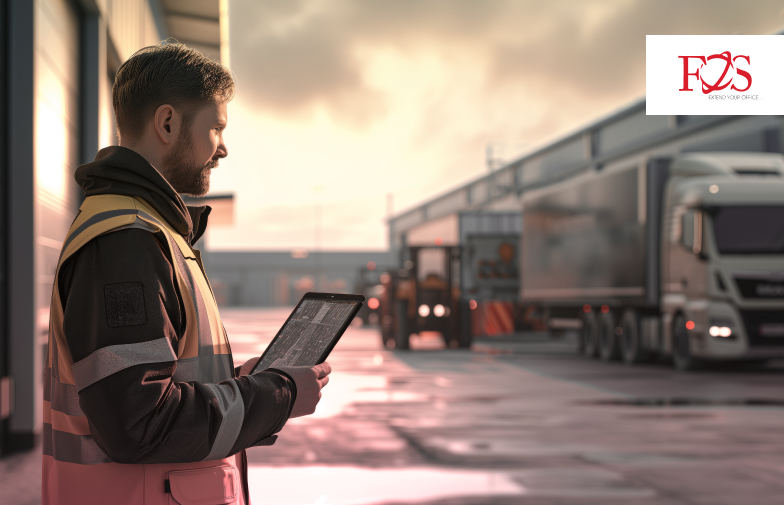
(679, 256)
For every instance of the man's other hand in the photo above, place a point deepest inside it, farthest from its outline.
(309, 381)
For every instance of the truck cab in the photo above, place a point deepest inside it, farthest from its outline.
(722, 257)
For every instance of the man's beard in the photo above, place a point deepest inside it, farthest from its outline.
(183, 172)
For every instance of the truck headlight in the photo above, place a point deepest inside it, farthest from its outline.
(720, 329)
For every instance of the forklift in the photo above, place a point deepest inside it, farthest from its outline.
(424, 296)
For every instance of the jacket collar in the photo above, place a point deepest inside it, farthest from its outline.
(122, 171)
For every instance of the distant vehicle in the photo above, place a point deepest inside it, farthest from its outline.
(680, 257)
(369, 284)
(424, 295)
(460, 290)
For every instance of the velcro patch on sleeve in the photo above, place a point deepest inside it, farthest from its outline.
(124, 304)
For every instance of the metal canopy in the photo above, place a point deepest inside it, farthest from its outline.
(195, 23)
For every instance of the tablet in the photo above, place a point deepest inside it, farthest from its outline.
(311, 331)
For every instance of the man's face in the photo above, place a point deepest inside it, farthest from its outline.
(197, 151)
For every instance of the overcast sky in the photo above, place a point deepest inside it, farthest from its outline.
(341, 102)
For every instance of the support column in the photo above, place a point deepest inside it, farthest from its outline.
(24, 351)
(94, 72)
(5, 379)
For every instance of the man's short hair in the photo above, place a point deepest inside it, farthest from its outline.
(167, 73)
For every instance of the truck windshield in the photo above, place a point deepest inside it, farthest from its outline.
(752, 229)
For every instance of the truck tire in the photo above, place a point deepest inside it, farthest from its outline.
(682, 358)
(464, 336)
(632, 349)
(402, 332)
(589, 341)
(402, 342)
(608, 342)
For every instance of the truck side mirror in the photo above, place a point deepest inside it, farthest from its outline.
(691, 236)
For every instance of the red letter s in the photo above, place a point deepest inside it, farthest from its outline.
(743, 73)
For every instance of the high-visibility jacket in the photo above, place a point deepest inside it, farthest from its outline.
(75, 469)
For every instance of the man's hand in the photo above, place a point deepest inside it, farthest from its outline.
(309, 381)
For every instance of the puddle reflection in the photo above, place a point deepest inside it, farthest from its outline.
(360, 486)
(345, 389)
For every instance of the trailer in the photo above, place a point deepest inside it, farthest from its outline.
(679, 256)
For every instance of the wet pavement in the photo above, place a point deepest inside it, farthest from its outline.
(519, 420)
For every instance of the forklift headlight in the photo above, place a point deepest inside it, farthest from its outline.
(424, 310)
(439, 310)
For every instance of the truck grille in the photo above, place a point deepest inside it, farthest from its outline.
(764, 327)
(760, 285)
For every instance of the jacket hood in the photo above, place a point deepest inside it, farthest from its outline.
(122, 171)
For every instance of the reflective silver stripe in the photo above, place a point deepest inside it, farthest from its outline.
(229, 401)
(101, 216)
(114, 358)
(202, 320)
(47, 384)
(64, 397)
(140, 224)
(209, 369)
(80, 449)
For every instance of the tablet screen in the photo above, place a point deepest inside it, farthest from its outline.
(308, 333)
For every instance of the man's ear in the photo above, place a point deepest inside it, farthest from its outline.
(166, 120)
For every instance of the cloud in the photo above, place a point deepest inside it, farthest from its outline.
(297, 62)
(295, 58)
(328, 226)
(608, 57)
(369, 97)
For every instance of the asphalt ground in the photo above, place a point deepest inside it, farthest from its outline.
(516, 420)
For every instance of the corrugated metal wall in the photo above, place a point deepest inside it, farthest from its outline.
(56, 109)
(56, 105)
(131, 25)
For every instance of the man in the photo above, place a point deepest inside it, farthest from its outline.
(142, 403)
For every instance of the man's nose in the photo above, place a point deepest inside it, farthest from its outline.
(222, 150)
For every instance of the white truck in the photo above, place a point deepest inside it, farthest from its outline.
(678, 256)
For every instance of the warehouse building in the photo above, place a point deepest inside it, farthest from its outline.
(626, 136)
(274, 279)
(58, 59)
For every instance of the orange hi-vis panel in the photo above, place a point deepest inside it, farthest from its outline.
(75, 469)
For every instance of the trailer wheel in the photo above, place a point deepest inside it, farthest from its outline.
(463, 331)
(682, 358)
(402, 331)
(402, 342)
(608, 342)
(632, 350)
(588, 345)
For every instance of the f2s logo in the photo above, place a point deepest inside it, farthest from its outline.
(720, 84)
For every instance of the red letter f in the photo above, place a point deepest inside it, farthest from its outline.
(686, 73)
